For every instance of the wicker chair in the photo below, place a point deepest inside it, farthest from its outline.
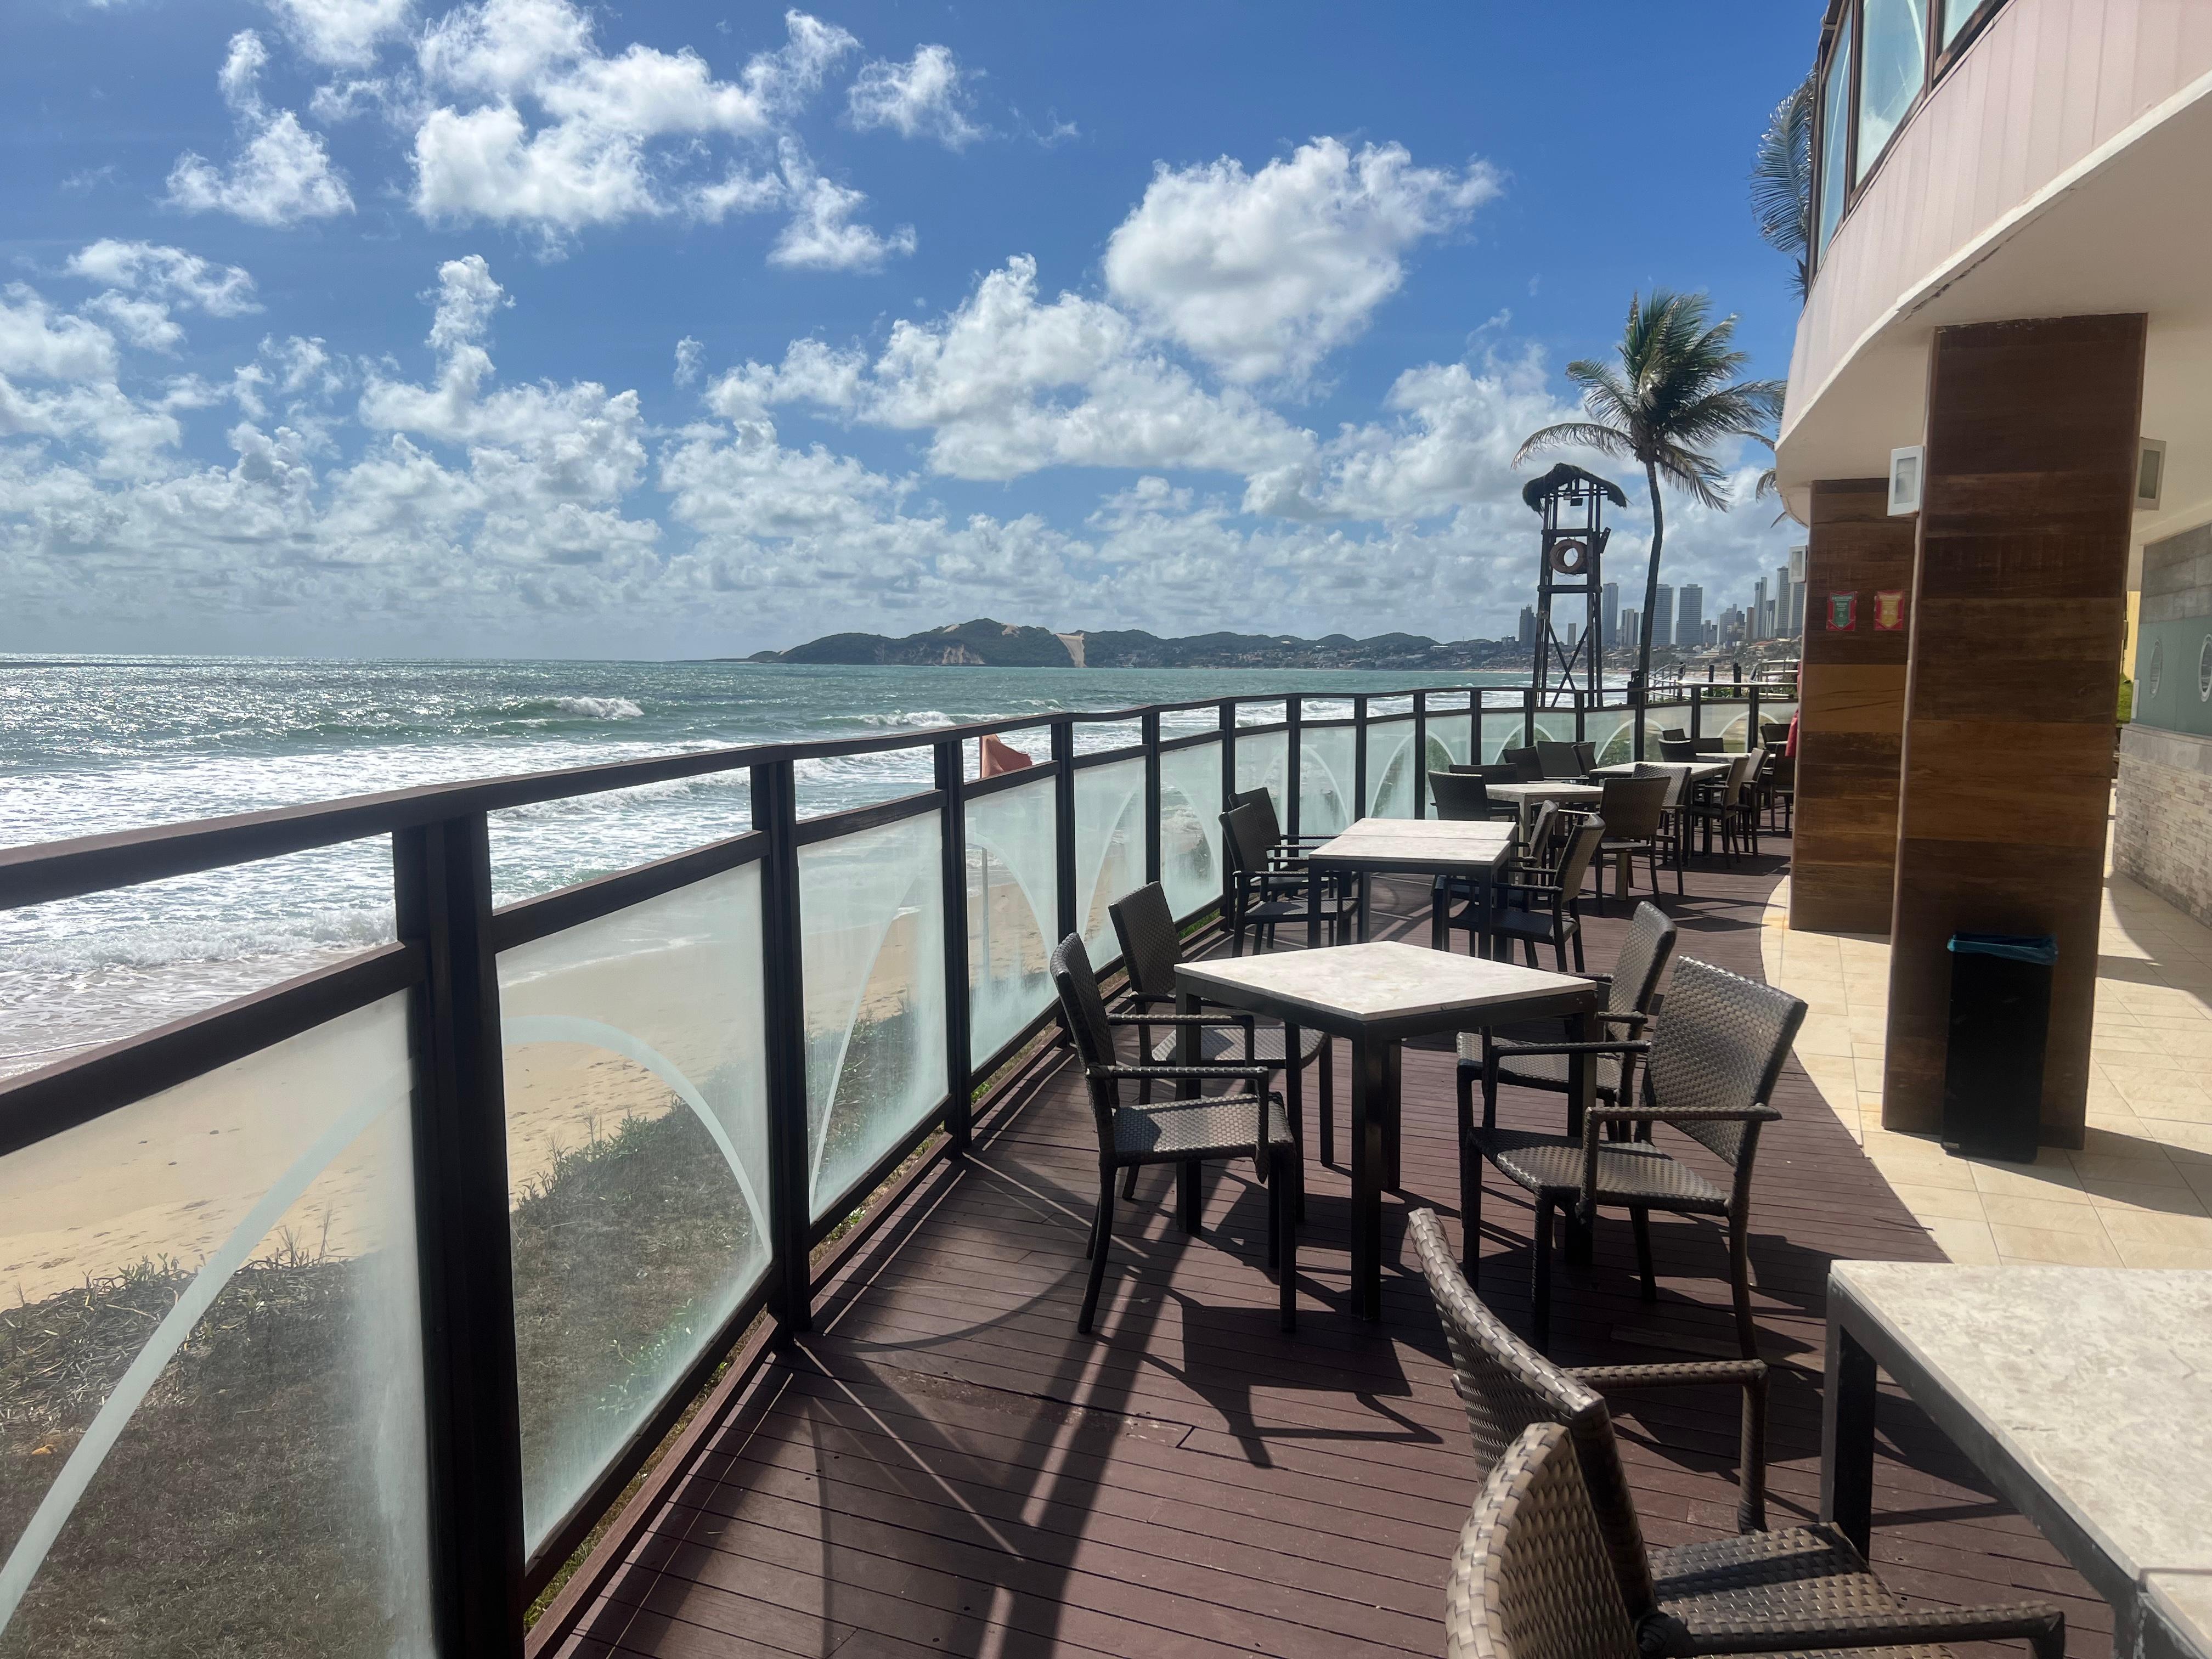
(1464, 798)
(1630, 990)
(1586, 758)
(1674, 835)
(1677, 749)
(1527, 763)
(1264, 894)
(1721, 805)
(1152, 949)
(1542, 1572)
(1709, 1069)
(1506, 1385)
(1632, 808)
(1560, 763)
(1184, 1132)
(1539, 907)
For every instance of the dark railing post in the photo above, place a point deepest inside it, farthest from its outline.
(1751, 720)
(1578, 716)
(1228, 782)
(1637, 696)
(1420, 754)
(1063, 822)
(441, 891)
(1359, 757)
(783, 1007)
(1696, 711)
(1294, 716)
(1527, 716)
(1150, 724)
(952, 830)
(1474, 727)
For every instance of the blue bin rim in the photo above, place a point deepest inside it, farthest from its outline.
(2041, 949)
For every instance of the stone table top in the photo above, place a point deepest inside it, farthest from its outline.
(2181, 1602)
(2093, 1383)
(1382, 985)
(1412, 842)
(1560, 790)
(1458, 829)
(1698, 770)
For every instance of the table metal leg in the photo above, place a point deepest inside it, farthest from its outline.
(1366, 886)
(1393, 1097)
(1847, 1406)
(1313, 905)
(1369, 1105)
(1582, 1096)
(1188, 1202)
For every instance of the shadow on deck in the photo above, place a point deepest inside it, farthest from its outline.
(944, 1466)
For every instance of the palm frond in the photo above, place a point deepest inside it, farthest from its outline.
(1607, 440)
(1782, 181)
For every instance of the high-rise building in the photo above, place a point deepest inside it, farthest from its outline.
(1609, 615)
(1662, 619)
(1712, 635)
(1690, 617)
(1574, 631)
(1782, 628)
(1758, 610)
(1527, 626)
(1631, 620)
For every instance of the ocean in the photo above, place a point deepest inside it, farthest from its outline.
(92, 745)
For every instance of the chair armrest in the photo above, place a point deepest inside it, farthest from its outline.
(2042, 1624)
(1686, 1113)
(1204, 1068)
(1631, 1019)
(1140, 999)
(1639, 1048)
(1143, 1023)
(1735, 1372)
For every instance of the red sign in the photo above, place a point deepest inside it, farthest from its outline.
(1889, 611)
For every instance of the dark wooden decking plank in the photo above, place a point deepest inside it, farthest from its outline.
(945, 1465)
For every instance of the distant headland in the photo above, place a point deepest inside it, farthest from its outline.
(985, 643)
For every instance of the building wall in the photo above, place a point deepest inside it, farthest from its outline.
(2162, 834)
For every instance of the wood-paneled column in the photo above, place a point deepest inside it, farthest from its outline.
(1850, 713)
(2016, 616)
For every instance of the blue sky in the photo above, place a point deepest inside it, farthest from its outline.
(360, 326)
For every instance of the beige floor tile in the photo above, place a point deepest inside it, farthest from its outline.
(2192, 1232)
(2047, 1215)
(1967, 1242)
(1824, 1034)
(1929, 1204)
(2147, 1163)
(2144, 1086)
(2134, 1254)
(2052, 1181)
(2035, 1245)
(2141, 1197)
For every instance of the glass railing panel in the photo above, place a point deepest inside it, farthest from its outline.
(872, 918)
(1835, 132)
(1263, 762)
(1392, 773)
(1613, 733)
(1013, 907)
(1501, 731)
(637, 1167)
(1110, 848)
(212, 1365)
(1190, 827)
(1892, 64)
(1326, 756)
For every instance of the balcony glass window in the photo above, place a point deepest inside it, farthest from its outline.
(1835, 132)
(1957, 14)
(1893, 65)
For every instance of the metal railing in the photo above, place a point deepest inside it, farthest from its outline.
(789, 1012)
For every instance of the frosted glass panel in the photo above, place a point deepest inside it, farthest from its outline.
(1012, 903)
(1392, 772)
(872, 916)
(1263, 762)
(212, 1366)
(1612, 731)
(1190, 827)
(1449, 733)
(1500, 732)
(1327, 755)
(637, 1166)
(1110, 850)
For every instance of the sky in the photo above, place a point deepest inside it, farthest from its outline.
(367, 327)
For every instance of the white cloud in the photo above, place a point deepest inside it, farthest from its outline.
(167, 274)
(821, 235)
(467, 297)
(145, 322)
(36, 341)
(1264, 274)
(343, 33)
(689, 354)
(924, 98)
(1006, 385)
(282, 174)
(615, 134)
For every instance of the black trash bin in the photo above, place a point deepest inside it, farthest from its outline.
(2000, 1019)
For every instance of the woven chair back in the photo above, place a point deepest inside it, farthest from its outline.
(1151, 947)
(1244, 837)
(1631, 808)
(1708, 745)
(1582, 847)
(1084, 1011)
(1560, 763)
(1719, 1043)
(1677, 749)
(1460, 798)
(1542, 831)
(1528, 765)
(1677, 779)
(1531, 1579)
(1754, 764)
(1643, 957)
(1585, 759)
(1270, 819)
(1674, 734)
(1498, 772)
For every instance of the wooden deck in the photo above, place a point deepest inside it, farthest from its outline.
(946, 1467)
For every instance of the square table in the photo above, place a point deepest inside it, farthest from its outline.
(1699, 771)
(1523, 796)
(1474, 852)
(1377, 996)
(2085, 1395)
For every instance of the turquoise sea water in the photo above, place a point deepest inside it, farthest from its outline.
(94, 744)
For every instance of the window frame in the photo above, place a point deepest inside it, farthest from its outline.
(1848, 15)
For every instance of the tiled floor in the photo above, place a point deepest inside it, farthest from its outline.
(2139, 1196)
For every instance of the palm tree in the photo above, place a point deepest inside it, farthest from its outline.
(1782, 182)
(1675, 394)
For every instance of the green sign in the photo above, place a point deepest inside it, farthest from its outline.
(1843, 612)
